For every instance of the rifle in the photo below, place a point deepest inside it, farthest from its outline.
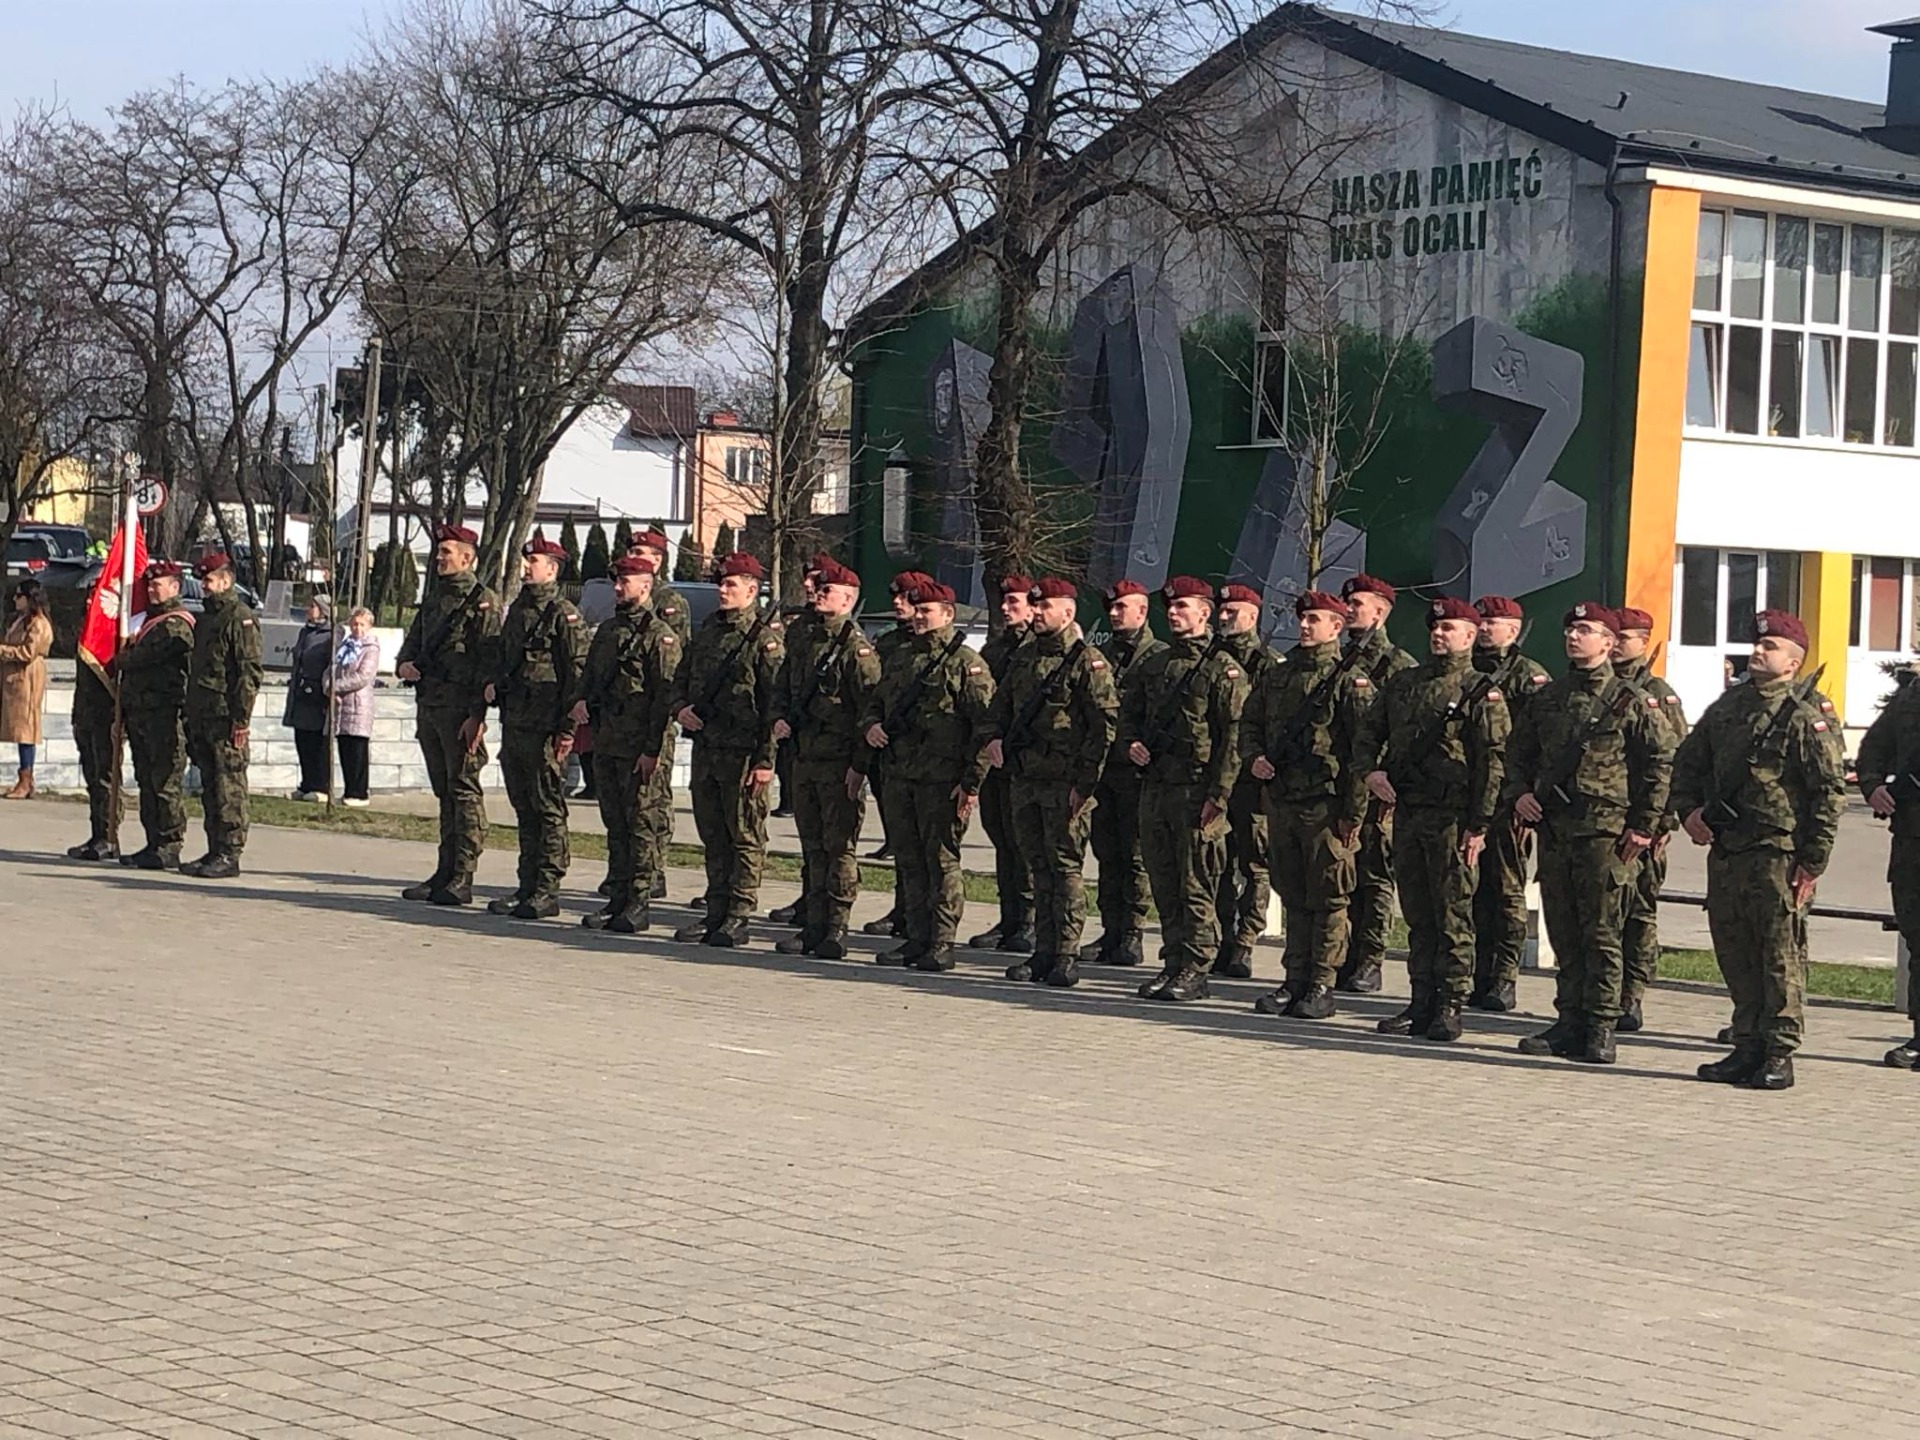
(1612, 705)
(894, 721)
(1016, 735)
(1316, 697)
(1720, 811)
(828, 656)
(724, 675)
(1156, 736)
(431, 645)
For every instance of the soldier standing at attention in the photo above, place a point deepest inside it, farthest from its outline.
(723, 696)
(797, 621)
(1245, 889)
(222, 681)
(891, 644)
(1013, 931)
(1116, 810)
(449, 655)
(824, 689)
(1372, 910)
(93, 739)
(624, 686)
(1640, 934)
(1762, 780)
(537, 684)
(670, 606)
(1297, 738)
(1889, 771)
(1500, 902)
(1588, 764)
(1052, 724)
(1179, 726)
(1431, 748)
(929, 716)
(153, 702)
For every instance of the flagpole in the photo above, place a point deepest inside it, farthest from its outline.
(129, 518)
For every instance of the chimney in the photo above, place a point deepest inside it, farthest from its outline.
(1903, 73)
(724, 420)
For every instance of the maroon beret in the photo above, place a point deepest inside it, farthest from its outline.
(907, 581)
(211, 563)
(817, 563)
(1015, 584)
(1631, 619)
(455, 532)
(739, 563)
(929, 591)
(1321, 600)
(1372, 585)
(831, 572)
(1594, 612)
(1052, 587)
(161, 570)
(540, 545)
(1499, 607)
(634, 565)
(1237, 595)
(1447, 607)
(1782, 625)
(1120, 589)
(1185, 587)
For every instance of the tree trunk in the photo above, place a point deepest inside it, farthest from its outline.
(1004, 499)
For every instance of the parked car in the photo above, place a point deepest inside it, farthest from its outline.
(70, 542)
(28, 553)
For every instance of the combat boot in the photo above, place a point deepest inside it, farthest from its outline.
(424, 890)
(605, 888)
(1906, 1055)
(1725, 1035)
(1151, 988)
(1630, 1021)
(1020, 942)
(632, 920)
(886, 927)
(457, 891)
(1559, 1039)
(785, 915)
(145, 858)
(1316, 1004)
(832, 945)
(728, 934)
(1095, 953)
(1020, 972)
(1235, 961)
(194, 867)
(692, 934)
(1280, 1001)
(95, 849)
(801, 944)
(1445, 1026)
(537, 907)
(1736, 1069)
(1065, 973)
(658, 890)
(599, 919)
(218, 867)
(903, 954)
(1130, 951)
(936, 960)
(1361, 979)
(987, 939)
(1188, 983)
(1599, 1049)
(1415, 1019)
(505, 904)
(1775, 1072)
(1498, 998)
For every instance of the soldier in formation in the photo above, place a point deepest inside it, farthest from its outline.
(1245, 890)
(1888, 767)
(1587, 767)
(1762, 780)
(724, 697)
(152, 667)
(223, 678)
(1051, 724)
(670, 606)
(624, 686)
(1372, 599)
(1640, 932)
(536, 684)
(93, 739)
(1115, 834)
(449, 655)
(890, 645)
(1013, 931)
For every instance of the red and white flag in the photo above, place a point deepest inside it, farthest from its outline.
(100, 632)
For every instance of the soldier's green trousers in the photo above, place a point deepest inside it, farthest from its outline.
(829, 825)
(616, 790)
(1436, 897)
(1903, 879)
(1010, 873)
(1640, 932)
(223, 784)
(537, 790)
(1115, 836)
(657, 814)
(1053, 847)
(1500, 905)
(925, 830)
(158, 744)
(1245, 887)
(1313, 873)
(732, 822)
(454, 774)
(93, 738)
(1583, 899)
(1183, 862)
(1373, 887)
(1760, 942)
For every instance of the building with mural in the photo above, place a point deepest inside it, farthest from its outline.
(1599, 329)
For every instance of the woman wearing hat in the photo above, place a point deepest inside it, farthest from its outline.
(306, 710)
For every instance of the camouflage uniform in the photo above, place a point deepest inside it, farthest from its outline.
(728, 678)
(939, 695)
(656, 800)
(453, 640)
(1245, 887)
(1592, 749)
(1314, 793)
(1443, 757)
(1011, 876)
(1500, 901)
(625, 681)
(1191, 732)
(1115, 835)
(93, 738)
(824, 690)
(889, 647)
(1890, 756)
(1373, 885)
(1784, 777)
(1054, 716)
(542, 644)
(222, 681)
(1640, 935)
(153, 699)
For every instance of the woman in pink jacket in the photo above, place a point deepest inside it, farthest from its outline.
(355, 665)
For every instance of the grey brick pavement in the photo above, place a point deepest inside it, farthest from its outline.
(288, 1158)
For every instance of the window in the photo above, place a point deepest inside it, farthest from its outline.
(746, 465)
(832, 497)
(1271, 370)
(895, 501)
(1699, 596)
(1886, 604)
(1722, 590)
(1805, 329)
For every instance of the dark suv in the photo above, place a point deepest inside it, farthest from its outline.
(68, 542)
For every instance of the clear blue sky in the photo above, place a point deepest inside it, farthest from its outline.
(90, 52)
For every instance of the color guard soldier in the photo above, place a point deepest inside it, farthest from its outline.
(1115, 834)
(152, 666)
(1889, 771)
(1640, 935)
(1372, 909)
(1245, 890)
(1013, 931)
(222, 681)
(1500, 902)
(93, 738)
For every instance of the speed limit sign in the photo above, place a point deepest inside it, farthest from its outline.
(149, 494)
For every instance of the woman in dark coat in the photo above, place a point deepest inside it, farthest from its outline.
(307, 699)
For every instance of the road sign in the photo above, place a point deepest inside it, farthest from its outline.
(149, 494)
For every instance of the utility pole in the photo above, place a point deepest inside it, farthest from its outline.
(369, 458)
